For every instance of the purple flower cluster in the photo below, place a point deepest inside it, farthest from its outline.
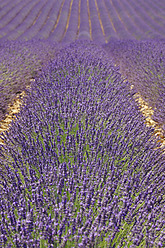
(143, 63)
(80, 168)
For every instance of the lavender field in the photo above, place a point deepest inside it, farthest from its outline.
(79, 167)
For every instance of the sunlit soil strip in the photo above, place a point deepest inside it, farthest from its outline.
(67, 24)
(14, 109)
(111, 20)
(148, 112)
(36, 18)
(90, 25)
(101, 24)
(58, 17)
(78, 29)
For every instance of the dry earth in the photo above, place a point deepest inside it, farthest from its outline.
(13, 109)
(148, 113)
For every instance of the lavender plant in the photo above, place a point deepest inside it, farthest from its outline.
(80, 168)
(20, 62)
(143, 63)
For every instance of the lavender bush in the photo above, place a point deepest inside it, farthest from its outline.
(80, 168)
(143, 63)
(20, 62)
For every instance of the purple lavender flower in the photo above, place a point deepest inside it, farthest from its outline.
(97, 180)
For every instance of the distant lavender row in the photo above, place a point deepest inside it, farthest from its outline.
(50, 19)
(26, 27)
(71, 32)
(80, 168)
(19, 62)
(59, 31)
(143, 63)
(97, 34)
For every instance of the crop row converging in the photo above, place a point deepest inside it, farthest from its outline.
(80, 168)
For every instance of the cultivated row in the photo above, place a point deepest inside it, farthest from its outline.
(143, 63)
(80, 168)
(68, 20)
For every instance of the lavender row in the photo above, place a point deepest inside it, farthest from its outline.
(50, 20)
(26, 29)
(154, 11)
(32, 19)
(59, 31)
(49, 25)
(84, 30)
(72, 31)
(146, 31)
(80, 168)
(6, 6)
(12, 13)
(158, 30)
(12, 30)
(4, 3)
(130, 26)
(107, 25)
(117, 23)
(143, 63)
(19, 63)
(97, 33)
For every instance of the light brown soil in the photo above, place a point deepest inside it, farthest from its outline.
(148, 113)
(13, 108)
